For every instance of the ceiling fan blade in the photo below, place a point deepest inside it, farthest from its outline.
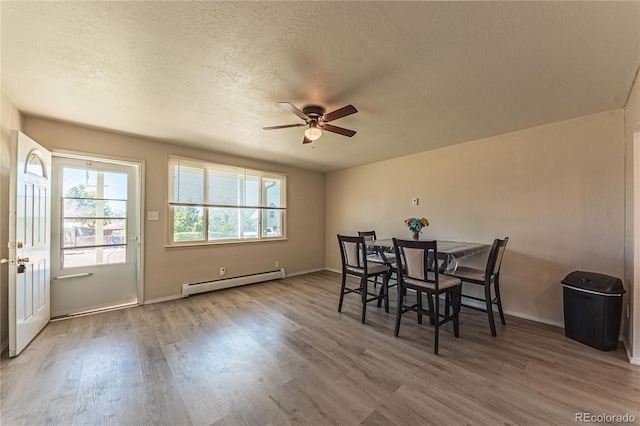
(306, 140)
(294, 110)
(338, 130)
(339, 113)
(284, 127)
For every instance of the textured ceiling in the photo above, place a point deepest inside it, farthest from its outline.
(422, 74)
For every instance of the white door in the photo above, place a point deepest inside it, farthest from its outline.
(96, 228)
(29, 241)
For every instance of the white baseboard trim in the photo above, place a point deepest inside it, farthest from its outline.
(534, 318)
(309, 271)
(337, 271)
(632, 359)
(162, 299)
(559, 324)
(4, 346)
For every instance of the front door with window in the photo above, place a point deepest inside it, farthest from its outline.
(29, 241)
(95, 235)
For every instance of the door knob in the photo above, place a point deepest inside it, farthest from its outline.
(2, 261)
(23, 260)
(19, 244)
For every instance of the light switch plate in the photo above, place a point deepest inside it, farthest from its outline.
(152, 215)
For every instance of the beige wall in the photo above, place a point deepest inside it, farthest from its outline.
(10, 119)
(167, 268)
(557, 191)
(632, 126)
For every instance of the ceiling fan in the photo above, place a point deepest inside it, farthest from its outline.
(317, 120)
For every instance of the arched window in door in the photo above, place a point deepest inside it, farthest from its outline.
(35, 164)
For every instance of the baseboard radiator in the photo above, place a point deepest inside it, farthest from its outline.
(195, 288)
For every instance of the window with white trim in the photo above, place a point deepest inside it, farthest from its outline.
(216, 203)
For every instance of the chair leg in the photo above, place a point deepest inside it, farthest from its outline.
(344, 281)
(447, 303)
(399, 313)
(419, 300)
(436, 324)
(431, 309)
(456, 310)
(363, 291)
(496, 286)
(384, 292)
(385, 286)
(487, 298)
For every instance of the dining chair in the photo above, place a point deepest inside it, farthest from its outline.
(377, 256)
(487, 277)
(353, 252)
(419, 272)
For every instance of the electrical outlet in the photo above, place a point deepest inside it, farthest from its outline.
(415, 201)
(152, 215)
(223, 270)
(277, 264)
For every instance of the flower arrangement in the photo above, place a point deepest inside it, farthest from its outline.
(415, 225)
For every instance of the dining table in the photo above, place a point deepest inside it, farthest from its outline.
(450, 253)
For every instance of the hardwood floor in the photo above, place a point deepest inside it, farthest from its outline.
(279, 353)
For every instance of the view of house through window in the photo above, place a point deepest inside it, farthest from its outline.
(212, 202)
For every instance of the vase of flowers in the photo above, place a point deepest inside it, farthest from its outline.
(415, 225)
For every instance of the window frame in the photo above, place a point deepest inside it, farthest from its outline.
(207, 167)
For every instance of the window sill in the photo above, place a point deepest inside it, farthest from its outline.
(224, 243)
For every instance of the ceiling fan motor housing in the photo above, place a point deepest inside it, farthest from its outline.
(313, 111)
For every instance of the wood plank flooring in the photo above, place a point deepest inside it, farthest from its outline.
(279, 353)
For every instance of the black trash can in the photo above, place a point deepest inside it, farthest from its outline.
(592, 309)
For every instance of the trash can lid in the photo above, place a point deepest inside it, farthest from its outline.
(594, 282)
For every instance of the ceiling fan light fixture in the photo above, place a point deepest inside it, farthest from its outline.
(313, 133)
